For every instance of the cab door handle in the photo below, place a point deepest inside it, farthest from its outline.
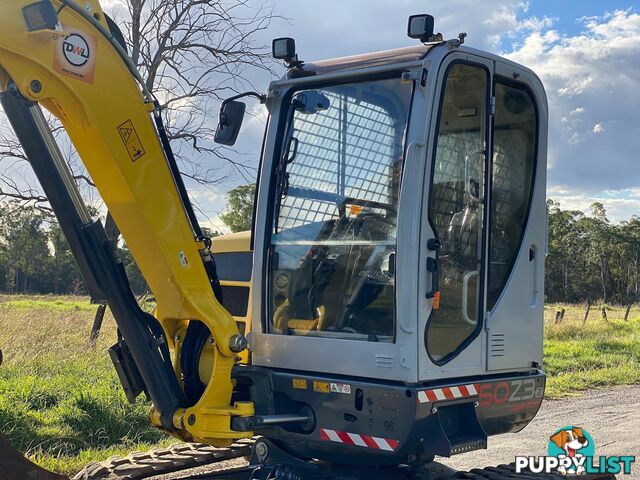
(434, 245)
(465, 296)
(432, 268)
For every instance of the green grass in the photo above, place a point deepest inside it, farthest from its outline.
(55, 303)
(61, 402)
(597, 354)
(60, 399)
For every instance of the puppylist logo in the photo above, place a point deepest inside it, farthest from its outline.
(572, 452)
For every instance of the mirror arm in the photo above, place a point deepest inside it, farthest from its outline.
(261, 98)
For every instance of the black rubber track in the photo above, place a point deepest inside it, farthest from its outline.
(178, 457)
(190, 455)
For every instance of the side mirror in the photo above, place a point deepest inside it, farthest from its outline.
(231, 116)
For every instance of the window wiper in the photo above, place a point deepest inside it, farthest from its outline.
(282, 177)
(292, 149)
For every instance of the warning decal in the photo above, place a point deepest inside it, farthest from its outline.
(321, 387)
(300, 383)
(131, 140)
(75, 55)
(340, 388)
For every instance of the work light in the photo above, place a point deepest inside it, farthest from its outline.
(420, 27)
(284, 49)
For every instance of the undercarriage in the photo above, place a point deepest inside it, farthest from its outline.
(267, 461)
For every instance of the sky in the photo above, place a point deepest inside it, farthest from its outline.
(587, 54)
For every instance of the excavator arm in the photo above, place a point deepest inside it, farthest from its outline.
(64, 57)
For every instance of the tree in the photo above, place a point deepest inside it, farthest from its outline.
(24, 249)
(631, 232)
(239, 212)
(599, 234)
(192, 54)
(209, 233)
(63, 271)
(590, 258)
(563, 265)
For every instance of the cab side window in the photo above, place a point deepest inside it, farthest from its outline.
(512, 172)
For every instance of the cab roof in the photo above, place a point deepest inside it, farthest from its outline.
(373, 59)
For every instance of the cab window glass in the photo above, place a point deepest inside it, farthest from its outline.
(333, 241)
(456, 209)
(514, 148)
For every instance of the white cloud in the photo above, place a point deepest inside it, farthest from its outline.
(592, 79)
(210, 203)
(216, 225)
(620, 204)
(593, 86)
(504, 22)
(359, 26)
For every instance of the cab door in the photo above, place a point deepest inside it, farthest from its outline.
(454, 223)
(516, 232)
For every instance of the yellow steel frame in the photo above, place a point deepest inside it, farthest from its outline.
(140, 194)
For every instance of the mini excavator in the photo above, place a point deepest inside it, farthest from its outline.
(387, 306)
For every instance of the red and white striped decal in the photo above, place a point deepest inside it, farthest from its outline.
(359, 440)
(448, 393)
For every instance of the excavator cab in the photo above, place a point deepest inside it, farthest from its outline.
(399, 244)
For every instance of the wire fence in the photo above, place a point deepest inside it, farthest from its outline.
(558, 314)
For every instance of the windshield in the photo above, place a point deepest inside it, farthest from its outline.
(333, 243)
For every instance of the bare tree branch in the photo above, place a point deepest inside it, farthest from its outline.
(192, 53)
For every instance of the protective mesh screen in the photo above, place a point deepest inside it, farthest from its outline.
(235, 300)
(333, 163)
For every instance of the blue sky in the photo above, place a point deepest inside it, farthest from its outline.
(586, 52)
(567, 11)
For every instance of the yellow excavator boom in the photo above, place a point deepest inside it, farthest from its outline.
(77, 72)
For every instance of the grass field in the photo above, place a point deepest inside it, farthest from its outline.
(60, 400)
(598, 353)
(61, 403)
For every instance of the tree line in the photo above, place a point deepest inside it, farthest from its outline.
(589, 257)
(35, 257)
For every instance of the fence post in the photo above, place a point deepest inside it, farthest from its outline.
(97, 324)
(586, 314)
(626, 313)
(603, 311)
